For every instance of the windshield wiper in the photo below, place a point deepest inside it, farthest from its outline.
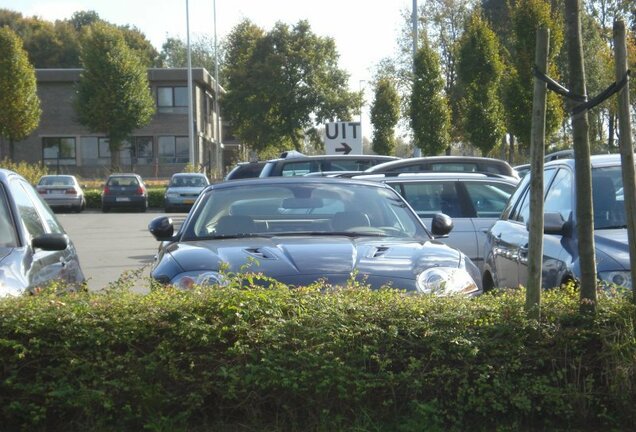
(328, 233)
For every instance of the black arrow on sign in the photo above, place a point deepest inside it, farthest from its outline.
(346, 149)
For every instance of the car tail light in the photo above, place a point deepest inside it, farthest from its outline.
(41, 190)
(140, 190)
(71, 191)
(106, 190)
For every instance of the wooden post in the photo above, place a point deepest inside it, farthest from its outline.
(625, 145)
(537, 153)
(583, 169)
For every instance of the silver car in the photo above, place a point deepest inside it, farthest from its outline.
(183, 190)
(473, 201)
(62, 192)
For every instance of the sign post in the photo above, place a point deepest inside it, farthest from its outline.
(342, 138)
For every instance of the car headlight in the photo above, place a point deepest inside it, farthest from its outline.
(203, 278)
(620, 278)
(446, 281)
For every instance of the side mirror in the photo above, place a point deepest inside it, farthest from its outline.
(441, 225)
(50, 242)
(553, 223)
(161, 228)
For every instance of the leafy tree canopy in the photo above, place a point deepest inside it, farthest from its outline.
(113, 93)
(282, 83)
(479, 72)
(57, 44)
(20, 107)
(429, 112)
(174, 53)
(385, 113)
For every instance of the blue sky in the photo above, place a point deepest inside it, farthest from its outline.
(365, 31)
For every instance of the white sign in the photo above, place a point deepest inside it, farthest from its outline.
(343, 138)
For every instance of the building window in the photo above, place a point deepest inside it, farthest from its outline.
(58, 151)
(104, 148)
(172, 99)
(173, 149)
(142, 150)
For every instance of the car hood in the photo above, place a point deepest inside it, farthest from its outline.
(612, 249)
(305, 259)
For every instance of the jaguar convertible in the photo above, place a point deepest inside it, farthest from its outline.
(303, 230)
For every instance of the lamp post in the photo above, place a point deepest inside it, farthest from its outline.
(190, 102)
(217, 111)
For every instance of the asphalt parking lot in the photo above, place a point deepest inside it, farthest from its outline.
(113, 244)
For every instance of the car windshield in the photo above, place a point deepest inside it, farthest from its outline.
(608, 198)
(188, 181)
(123, 181)
(56, 181)
(303, 209)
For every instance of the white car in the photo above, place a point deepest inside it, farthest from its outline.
(62, 192)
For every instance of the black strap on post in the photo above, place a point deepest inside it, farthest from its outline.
(556, 87)
(586, 104)
(615, 87)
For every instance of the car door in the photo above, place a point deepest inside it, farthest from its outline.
(431, 197)
(507, 239)
(40, 266)
(559, 198)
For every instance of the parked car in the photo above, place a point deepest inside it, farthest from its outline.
(297, 164)
(446, 164)
(124, 191)
(183, 190)
(245, 170)
(62, 192)
(473, 201)
(506, 248)
(301, 230)
(34, 248)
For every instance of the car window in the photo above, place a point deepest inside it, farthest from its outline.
(43, 209)
(489, 198)
(559, 197)
(26, 209)
(123, 181)
(425, 197)
(521, 210)
(298, 168)
(8, 236)
(608, 197)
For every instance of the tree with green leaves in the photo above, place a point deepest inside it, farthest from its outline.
(479, 73)
(527, 17)
(428, 111)
(56, 44)
(113, 92)
(284, 82)
(174, 53)
(385, 113)
(20, 108)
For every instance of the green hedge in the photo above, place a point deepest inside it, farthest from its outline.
(94, 198)
(313, 359)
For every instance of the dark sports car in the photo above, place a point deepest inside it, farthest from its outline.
(301, 230)
(34, 249)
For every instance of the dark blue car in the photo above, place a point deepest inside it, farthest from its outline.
(506, 248)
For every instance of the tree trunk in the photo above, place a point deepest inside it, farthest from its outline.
(610, 133)
(625, 144)
(114, 147)
(537, 152)
(583, 170)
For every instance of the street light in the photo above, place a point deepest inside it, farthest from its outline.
(190, 102)
(217, 110)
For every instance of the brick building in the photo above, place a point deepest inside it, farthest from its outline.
(157, 150)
